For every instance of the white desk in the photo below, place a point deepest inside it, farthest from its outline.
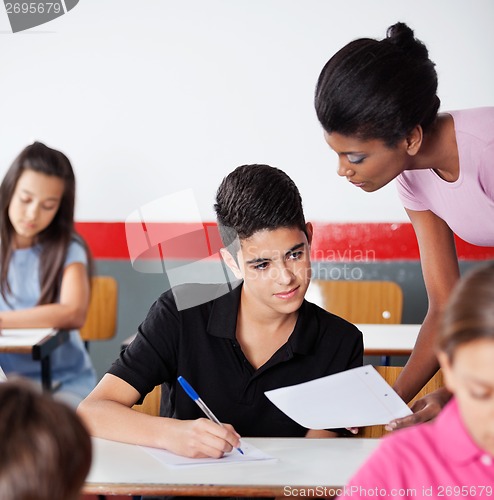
(389, 340)
(122, 469)
(39, 342)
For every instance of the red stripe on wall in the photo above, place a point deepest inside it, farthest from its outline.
(338, 242)
(105, 239)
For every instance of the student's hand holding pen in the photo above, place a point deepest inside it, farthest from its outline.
(204, 408)
(201, 438)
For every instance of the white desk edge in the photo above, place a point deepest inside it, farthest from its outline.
(301, 463)
(389, 338)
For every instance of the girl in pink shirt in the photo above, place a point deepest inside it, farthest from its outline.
(454, 455)
(377, 103)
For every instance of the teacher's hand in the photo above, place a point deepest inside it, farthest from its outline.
(424, 409)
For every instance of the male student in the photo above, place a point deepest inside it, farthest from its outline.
(259, 336)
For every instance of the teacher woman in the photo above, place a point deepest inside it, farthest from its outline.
(377, 103)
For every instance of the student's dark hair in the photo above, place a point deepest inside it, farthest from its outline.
(46, 450)
(469, 314)
(257, 197)
(56, 238)
(378, 89)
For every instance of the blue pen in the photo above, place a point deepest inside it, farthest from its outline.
(200, 403)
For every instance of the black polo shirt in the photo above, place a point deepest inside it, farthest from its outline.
(199, 343)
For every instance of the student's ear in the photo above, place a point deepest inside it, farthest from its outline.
(446, 368)
(414, 140)
(310, 231)
(231, 263)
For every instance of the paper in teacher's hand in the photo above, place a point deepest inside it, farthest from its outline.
(354, 398)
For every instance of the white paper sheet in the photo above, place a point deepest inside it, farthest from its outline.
(251, 453)
(3, 377)
(354, 398)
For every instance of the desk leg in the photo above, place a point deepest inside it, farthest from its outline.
(46, 373)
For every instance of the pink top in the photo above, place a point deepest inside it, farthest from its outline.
(466, 205)
(433, 460)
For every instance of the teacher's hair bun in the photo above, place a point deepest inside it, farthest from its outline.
(402, 36)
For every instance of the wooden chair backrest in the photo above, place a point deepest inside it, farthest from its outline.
(363, 301)
(101, 320)
(391, 374)
(151, 403)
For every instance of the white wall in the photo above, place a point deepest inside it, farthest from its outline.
(148, 97)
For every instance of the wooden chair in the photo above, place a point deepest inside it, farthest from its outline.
(150, 406)
(390, 374)
(101, 320)
(363, 301)
(151, 403)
